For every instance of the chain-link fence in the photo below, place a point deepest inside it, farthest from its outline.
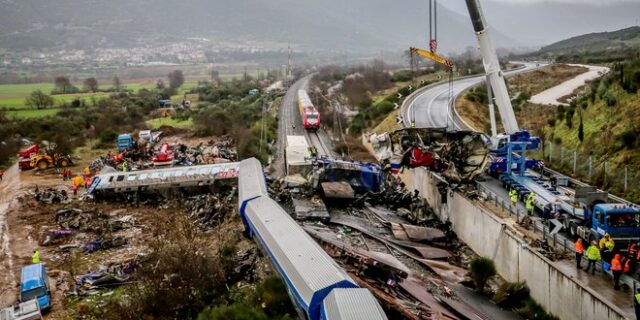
(598, 171)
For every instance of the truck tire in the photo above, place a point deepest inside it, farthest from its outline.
(63, 162)
(573, 230)
(42, 164)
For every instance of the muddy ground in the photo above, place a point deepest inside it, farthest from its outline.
(24, 222)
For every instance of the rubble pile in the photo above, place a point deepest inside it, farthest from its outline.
(211, 153)
(107, 276)
(207, 210)
(51, 195)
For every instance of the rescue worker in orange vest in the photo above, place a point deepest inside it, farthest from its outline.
(579, 252)
(616, 269)
(632, 256)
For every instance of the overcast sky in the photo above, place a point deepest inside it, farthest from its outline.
(542, 22)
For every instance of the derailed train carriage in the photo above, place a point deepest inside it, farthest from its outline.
(319, 288)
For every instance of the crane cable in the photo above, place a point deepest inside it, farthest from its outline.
(433, 46)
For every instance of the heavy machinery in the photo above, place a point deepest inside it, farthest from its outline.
(581, 211)
(33, 157)
(125, 141)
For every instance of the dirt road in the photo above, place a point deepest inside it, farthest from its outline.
(551, 95)
(9, 187)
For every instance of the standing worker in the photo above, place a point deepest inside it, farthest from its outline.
(124, 166)
(579, 252)
(606, 245)
(35, 258)
(513, 194)
(77, 181)
(529, 203)
(616, 269)
(87, 172)
(632, 257)
(593, 255)
(1, 174)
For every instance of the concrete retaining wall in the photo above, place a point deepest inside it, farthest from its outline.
(489, 236)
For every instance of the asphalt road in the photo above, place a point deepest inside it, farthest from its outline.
(430, 108)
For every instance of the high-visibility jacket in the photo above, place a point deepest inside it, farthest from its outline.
(513, 195)
(609, 244)
(616, 264)
(593, 253)
(637, 298)
(36, 257)
(579, 247)
(87, 171)
(124, 166)
(77, 181)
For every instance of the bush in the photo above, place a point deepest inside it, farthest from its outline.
(236, 311)
(534, 311)
(481, 269)
(511, 295)
(551, 122)
(108, 136)
(610, 99)
(628, 138)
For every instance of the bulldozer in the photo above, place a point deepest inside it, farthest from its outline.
(33, 157)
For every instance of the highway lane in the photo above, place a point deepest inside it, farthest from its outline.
(430, 107)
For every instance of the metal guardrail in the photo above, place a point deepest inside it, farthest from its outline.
(556, 240)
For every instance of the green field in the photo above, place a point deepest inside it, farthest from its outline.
(170, 122)
(32, 113)
(12, 96)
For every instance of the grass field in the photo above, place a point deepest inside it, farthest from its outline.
(12, 96)
(32, 113)
(170, 122)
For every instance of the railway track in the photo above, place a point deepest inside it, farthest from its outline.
(316, 141)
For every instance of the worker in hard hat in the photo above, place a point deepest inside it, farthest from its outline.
(35, 258)
(606, 245)
(529, 203)
(513, 195)
(579, 252)
(593, 255)
(77, 182)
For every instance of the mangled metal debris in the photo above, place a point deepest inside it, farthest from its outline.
(458, 156)
(310, 209)
(51, 195)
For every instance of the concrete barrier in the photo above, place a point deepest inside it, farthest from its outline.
(489, 236)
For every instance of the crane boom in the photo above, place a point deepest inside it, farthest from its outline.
(492, 68)
(432, 56)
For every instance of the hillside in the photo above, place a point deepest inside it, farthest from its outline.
(330, 25)
(598, 47)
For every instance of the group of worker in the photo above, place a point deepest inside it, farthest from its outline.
(529, 202)
(79, 180)
(605, 250)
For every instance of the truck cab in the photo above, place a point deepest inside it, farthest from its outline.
(125, 141)
(34, 285)
(620, 221)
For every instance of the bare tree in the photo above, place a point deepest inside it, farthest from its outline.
(39, 100)
(176, 79)
(117, 86)
(91, 84)
(62, 83)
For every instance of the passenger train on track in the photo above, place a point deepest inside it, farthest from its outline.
(309, 114)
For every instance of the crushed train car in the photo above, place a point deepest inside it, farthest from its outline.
(458, 156)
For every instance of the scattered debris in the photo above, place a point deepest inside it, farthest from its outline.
(51, 195)
(310, 209)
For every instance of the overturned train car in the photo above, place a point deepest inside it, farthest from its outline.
(311, 276)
